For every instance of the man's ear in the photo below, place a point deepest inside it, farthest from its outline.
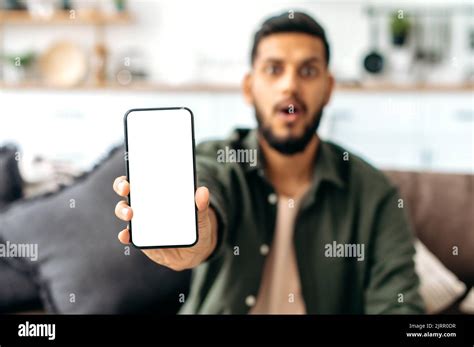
(330, 88)
(247, 88)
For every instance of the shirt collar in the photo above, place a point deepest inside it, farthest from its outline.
(327, 166)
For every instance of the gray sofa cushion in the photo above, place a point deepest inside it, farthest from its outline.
(81, 266)
(10, 178)
(18, 291)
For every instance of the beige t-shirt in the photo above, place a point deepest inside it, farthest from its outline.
(280, 289)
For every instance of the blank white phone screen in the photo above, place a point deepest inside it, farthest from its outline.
(160, 148)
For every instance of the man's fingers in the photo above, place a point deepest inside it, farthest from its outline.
(123, 211)
(124, 236)
(121, 186)
(202, 198)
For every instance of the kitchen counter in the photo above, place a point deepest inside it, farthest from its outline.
(229, 88)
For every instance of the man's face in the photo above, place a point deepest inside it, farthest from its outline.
(289, 86)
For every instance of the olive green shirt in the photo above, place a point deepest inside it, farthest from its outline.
(350, 206)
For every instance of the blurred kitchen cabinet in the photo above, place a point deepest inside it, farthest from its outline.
(451, 138)
(414, 131)
(378, 127)
(399, 130)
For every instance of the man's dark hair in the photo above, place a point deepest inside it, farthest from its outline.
(293, 22)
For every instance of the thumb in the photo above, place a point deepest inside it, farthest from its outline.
(202, 199)
(202, 203)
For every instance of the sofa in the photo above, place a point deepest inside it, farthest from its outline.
(82, 268)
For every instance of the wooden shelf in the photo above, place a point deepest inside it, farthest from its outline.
(141, 86)
(144, 86)
(387, 87)
(81, 17)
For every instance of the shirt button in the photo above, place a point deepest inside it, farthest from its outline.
(272, 198)
(264, 249)
(250, 300)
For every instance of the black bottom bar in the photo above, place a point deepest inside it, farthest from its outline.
(126, 329)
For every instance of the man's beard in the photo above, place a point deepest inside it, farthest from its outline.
(289, 145)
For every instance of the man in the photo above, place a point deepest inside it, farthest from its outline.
(310, 228)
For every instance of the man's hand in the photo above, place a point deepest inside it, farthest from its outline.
(175, 258)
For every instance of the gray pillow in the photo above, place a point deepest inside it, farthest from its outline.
(18, 291)
(11, 184)
(81, 266)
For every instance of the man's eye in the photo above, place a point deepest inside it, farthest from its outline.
(272, 69)
(309, 71)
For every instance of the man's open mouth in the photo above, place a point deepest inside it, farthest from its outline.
(291, 111)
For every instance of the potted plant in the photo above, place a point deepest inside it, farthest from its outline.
(120, 5)
(18, 67)
(400, 28)
(400, 55)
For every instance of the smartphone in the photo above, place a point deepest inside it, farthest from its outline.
(161, 170)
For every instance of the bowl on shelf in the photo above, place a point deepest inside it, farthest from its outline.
(64, 64)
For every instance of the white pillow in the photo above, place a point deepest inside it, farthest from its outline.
(439, 287)
(467, 305)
